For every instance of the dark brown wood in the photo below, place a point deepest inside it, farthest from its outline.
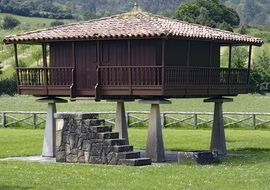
(97, 87)
(163, 64)
(17, 65)
(129, 64)
(249, 62)
(230, 66)
(187, 65)
(45, 65)
(165, 68)
(73, 74)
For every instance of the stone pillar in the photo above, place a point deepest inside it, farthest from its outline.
(154, 146)
(121, 125)
(218, 140)
(50, 129)
(120, 121)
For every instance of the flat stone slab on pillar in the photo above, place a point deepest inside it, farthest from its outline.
(155, 146)
(49, 142)
(218, 140)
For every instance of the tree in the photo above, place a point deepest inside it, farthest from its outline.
(243, 29)
(57, 23)
(208, 12)
(260, 74)
(9, 22)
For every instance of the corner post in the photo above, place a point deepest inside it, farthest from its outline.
(188, 66)
(230, 66)
(17, 65)
(73, 85)
(97, 87)
(249, 63)
(163, 64)
(49, 142)
(218, 140)
(155, 146)
(45, 66)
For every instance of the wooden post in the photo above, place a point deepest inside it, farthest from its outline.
(97, 87)
(163, 64)
(230, 66)
(34, 120)
(17, 65)
(196, 120)
(129, 68)
(210, 65)
(3, 119)
(249, 63)
(254, 121)
(45, 66)
(73, 86)
(187, 67)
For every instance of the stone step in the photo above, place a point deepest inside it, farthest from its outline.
(94, 122)
(108, 135)
(135, 162)
(122, 148)
(129, 155)
(101, 129)
(115, 142)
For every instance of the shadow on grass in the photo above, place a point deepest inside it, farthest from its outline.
(241, 156)
(7, 187)
(248, 155)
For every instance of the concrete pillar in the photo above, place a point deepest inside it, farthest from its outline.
(155, 146)
(218, 140)
(121, 121)
(50, 128)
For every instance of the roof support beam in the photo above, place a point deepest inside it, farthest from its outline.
(163, 64)
(187, 66)
(97, 87)
(45, 65)
(17, 65)
(249, 63)
(44, 54)
(230, 66)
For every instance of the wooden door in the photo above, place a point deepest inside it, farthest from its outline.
(86, 65)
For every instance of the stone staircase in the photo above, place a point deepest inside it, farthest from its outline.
(84, 138)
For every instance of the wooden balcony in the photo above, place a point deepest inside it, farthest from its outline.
(45, 81)
(136, 82)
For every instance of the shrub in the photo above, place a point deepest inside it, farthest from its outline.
(9, 22)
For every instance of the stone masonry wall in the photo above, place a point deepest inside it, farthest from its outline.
(83, 138)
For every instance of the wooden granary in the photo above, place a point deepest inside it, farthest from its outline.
(135, 55)
(132, 55)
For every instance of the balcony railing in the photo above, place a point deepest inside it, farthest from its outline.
(130, 75)
(173, 76)
(61, 76)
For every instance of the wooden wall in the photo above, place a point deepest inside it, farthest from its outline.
(115, 53)
(176, 53)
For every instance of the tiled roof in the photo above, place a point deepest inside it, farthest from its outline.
(131, 25)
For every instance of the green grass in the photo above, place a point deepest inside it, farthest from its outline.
(242, 103)
(33, 21)
(249, 171)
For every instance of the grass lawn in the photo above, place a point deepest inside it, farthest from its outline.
(249, 171)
